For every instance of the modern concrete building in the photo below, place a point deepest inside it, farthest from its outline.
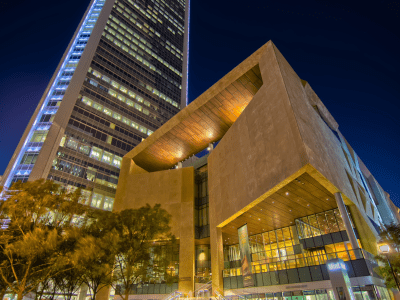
(122, 76)
(281, 167)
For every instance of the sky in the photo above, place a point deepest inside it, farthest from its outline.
(348, 51)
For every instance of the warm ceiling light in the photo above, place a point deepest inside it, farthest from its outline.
(273, 202)
(327, 199)
(287, 193)
(308, 204)
(259, 219)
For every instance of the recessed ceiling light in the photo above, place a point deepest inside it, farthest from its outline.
(308, 204)
(290, 210)
(259, 219)
(287, 193)
(327, 199)
(273, 202)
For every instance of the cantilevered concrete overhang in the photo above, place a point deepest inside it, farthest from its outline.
(203, 121)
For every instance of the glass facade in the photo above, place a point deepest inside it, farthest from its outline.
(284, 248)
(201, 203)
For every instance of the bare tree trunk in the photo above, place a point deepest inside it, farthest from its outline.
(126, 294)
(20, 295)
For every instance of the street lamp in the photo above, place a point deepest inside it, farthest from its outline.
(385, 250)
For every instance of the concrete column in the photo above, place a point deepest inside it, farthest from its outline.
(346, 220)
(217, 259)
(83, 292)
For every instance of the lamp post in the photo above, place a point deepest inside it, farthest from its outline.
(385, 250)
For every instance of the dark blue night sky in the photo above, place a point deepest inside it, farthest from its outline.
(347, 50)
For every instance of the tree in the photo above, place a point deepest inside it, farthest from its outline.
(137, 253)
(391, 261)
(94, 259)
(40, 214)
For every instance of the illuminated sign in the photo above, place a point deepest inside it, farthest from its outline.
(336, 266)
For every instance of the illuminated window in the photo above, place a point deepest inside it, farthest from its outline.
(96, 153)
(39, 136)
(117, 161)
(108, 203)
(107, 157)
(97, 200)
(112, 93)
(72, 143)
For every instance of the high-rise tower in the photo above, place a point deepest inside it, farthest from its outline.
(123, 75)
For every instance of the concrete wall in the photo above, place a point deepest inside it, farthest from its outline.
(174, 190)
(325, 153)
(279, 135)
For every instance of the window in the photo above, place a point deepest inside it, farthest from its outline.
(117, 161)
(97, 74)
(93, 82)
(107, 157)
(96, 153)
(129, 102)
(112, 93)
(29, 159)
(98, 106)
(123, 89)
(97, 200)
(132, 94)
(122, 98)
(117, 116)
(126, 121)
(106, 79)
(108, 203)
(114, 84)
(138, 107)
(39, 136)
(107, 111)
(72, 143)
(87, 101)
(91, 174)
(84, 149)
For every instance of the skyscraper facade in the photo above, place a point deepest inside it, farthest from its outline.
(123, 75)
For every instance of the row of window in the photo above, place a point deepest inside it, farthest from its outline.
(139, 58)
(113, 54)
(135, 41)
(115, 115)
(131, 94)
(94, 199)
(109, 137)
(121, 88)
(96, 133)
(88, 173)
(86, 163)
(154, 19)
(93, 152)
(131, 35)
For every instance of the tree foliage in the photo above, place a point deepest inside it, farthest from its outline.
(53, 243)
(391, 261)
